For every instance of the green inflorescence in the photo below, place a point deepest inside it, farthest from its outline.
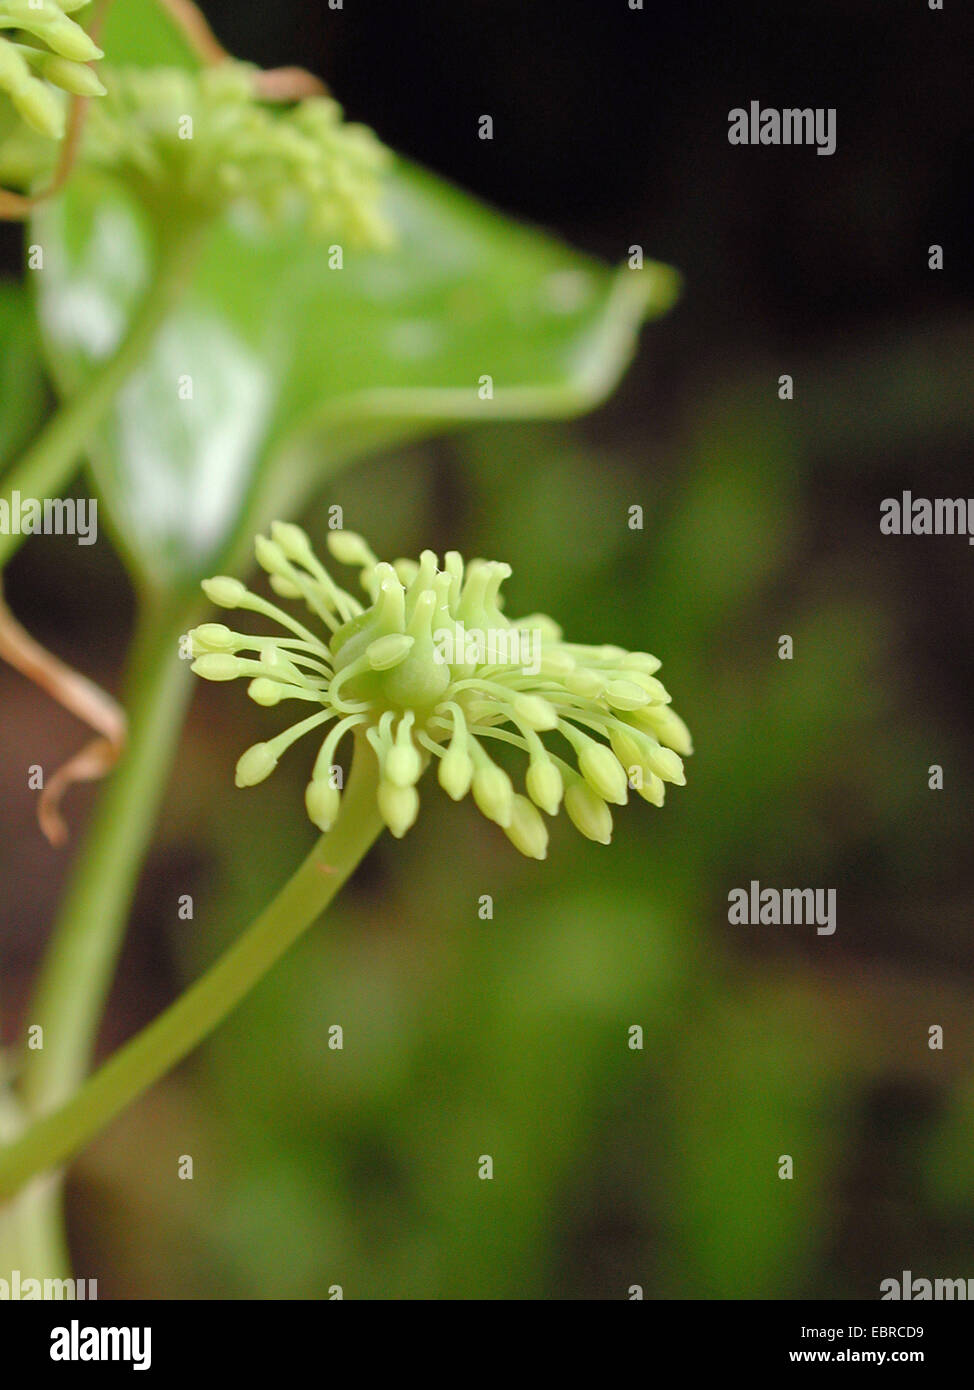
(430, 668)
(191, 143)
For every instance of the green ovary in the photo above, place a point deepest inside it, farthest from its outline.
(417, 684)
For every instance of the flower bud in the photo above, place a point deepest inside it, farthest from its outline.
(403, 765)
(626, 746)
(668, 727)
(544, 785)
(652, 789)
(665, 763)
(67, 38)
(39, 106)
(292, 541)
(263, 691)
(284, 588)
(534, 712)
(217, 666)
(349, 548)
(224, 591)
(588, 684)
(527, 831)
(271, 557)
(626, 694)
(640, 661)
(322, 802)
(212, 637)
(588, 813)
(399, 807)
(455, 773)
(254, 765)
(493, 793)
(604, 773)
(73, 77)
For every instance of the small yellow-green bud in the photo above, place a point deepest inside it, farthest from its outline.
(668, 727)
(665, 763)
(349, 548)
(653, 789)
(76, 78)
(588, 813)
(224, 591)
(605, 775)
(655, 689)
(217, 666)
(68, 39)
(398, 806)
(545, 785)
(293, 541)
(626, 746)
(534, 712)
(493, 793)
(640, 661)
(271, 557)
(455, 773)
(322, 802)
(403, 765)
(285, 588)
(588, 684)
(39, 106)
(266, 692)
(527, 831)
(626, 695)
(212, 637)
(253, 766)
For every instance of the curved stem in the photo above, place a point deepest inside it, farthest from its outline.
(49, 462)
(80, 959)
(166, 1041)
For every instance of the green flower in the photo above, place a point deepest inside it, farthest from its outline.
(191, 143)
(49, 51)
(429, 668)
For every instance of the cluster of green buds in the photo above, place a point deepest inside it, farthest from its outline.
(47, 50)
(411, 671)
(190, 143)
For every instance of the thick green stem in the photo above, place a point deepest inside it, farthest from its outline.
(47, 466)
(81, 958)
(159, 1047)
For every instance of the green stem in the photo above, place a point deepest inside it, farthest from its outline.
(80, 961)
(31, 1233)
(165, 1042)
(47, 466)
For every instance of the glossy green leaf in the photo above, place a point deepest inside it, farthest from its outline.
(144, 34)
(278, 366)
(22, 389)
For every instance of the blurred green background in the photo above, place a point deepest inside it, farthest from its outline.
(613, 1167)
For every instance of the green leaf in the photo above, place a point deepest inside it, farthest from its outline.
(143, 34)
(295, 366)
(22, 389)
